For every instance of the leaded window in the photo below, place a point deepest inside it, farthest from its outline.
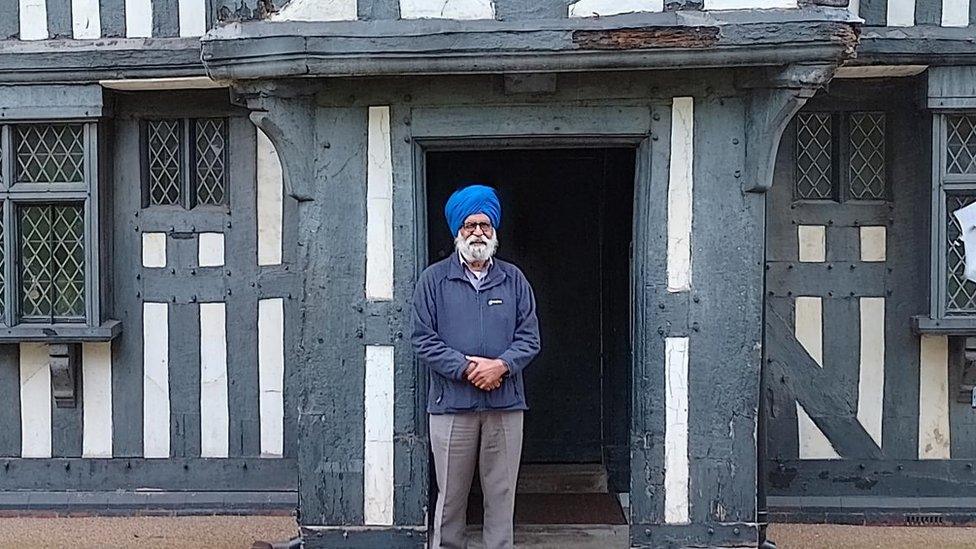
(814, 166)
(52, 258)
(841, 156)
(47, 193)
(185, 162)
(954, 154)
(867, 164)
(960, 147)
(960, 293)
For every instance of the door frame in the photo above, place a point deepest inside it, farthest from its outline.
(551, 127)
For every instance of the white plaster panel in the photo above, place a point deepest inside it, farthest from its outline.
(138, 18)
(602, 8)
(379, 207)
(854, 6)
(154, 250)
(35, 401)
(96, 379)
(270, 202)
(33, 20)
(378, 453)
(210, 249)
(813, 443)
(933, 398)
(86, 23)
(955, 13)
(901, 13)
(676, 467)
(680, 193)
(214, 405)
(808, 326)
(871, 378)
(155, 380)
(271, 375)
(812, 241)
(874, 243)
(318, 10)
(193, 17)
(447, 9)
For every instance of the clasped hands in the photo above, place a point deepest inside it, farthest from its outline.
(485, 373)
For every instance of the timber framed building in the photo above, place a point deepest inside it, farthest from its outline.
(214, 211)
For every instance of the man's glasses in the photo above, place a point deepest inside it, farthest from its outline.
(470, 227)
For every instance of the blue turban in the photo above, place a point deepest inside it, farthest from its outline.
(472, 200)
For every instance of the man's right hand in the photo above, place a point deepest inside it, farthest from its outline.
(480, 384)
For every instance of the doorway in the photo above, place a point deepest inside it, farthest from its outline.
(567, 217)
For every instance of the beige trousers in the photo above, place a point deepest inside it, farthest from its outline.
(493, 441)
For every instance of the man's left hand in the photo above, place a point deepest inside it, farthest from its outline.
(487, 372)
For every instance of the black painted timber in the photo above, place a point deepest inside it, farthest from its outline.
(10, 435)
(59, 19)
(411, 451)
(726, 338)
(878, 477)
(789, 364)
(127, 367)
(112, 17)
(734, 38)
(9, 20)
(650, 251)
(662, 536)
(331, 429)
(928, 13)
(874, 12)
(175, 474)
(36, 62)
(67, 423)
(165, 18)
(184, 373)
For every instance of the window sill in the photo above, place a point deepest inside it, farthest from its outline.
(962, 325)
(61, 333)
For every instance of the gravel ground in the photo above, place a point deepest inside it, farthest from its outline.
(241, 532)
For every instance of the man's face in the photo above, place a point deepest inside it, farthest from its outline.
(476, 239)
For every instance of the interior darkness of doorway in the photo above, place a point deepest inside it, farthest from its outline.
(567, 223)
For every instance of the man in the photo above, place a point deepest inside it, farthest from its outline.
(475, 328)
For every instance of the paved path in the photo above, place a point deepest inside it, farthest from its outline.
(241, 532)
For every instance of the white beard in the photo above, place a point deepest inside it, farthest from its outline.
(476, 248)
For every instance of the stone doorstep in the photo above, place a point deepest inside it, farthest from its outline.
(586, 536)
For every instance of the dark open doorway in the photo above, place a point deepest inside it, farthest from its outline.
(567, 223)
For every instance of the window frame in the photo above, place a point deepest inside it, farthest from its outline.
(189, 178)
(840, 151)
(13, 194)
(943, 185)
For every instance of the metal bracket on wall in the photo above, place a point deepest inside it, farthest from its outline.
(967, 379)
(64, 360)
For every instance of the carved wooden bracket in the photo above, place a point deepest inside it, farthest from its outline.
(286, 114)
(774, 98)
(64, 360)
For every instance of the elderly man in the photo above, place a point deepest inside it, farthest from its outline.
(475, 328)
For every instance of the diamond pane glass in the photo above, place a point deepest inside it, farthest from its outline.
(960, 292)
(210, 160)
(868, 180)
(961, 144)
(52, 262)
(813, 157)
(165, 178)
(50, 153)
(3, 259)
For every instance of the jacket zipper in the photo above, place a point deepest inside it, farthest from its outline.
(481, 318)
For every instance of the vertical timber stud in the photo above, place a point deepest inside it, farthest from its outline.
(324, 164)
